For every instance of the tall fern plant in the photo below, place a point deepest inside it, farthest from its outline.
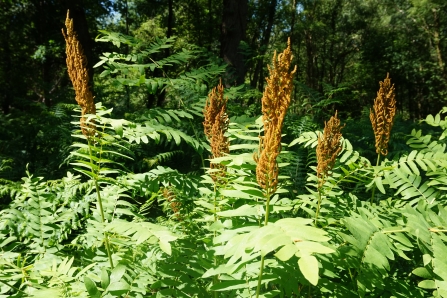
(275, 102)
(329, 146)
(215, 127)
(382, 117)
(93, 155)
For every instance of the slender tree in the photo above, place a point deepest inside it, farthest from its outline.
(234, 25)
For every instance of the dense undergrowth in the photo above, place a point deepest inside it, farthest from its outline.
(127, 221)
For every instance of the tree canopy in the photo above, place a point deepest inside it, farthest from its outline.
(341, 47)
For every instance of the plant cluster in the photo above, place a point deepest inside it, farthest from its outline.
(239, 228)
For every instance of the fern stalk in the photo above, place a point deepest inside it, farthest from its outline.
(275, 102)
(101, 209)
(374, 187)
(215, 278)
(317, 212)
(13, 287)
(266, 221)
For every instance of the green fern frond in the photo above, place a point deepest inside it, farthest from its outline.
(153, 130)
(161, 158)
(139, 232)
(372, 248)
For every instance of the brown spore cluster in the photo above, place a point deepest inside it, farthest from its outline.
(215, 126)
(275, 102)
(78, 72)
(329, 146)
(382, 115)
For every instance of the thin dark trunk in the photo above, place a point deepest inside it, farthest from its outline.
(311, 60)
(311, 52)
(234, 25)
(210, 24)
(437, 44)
(7, 92)
(41, 40)
(292, 25)
(126, 19)
(258, 80)
(170, 17)
(162, 95)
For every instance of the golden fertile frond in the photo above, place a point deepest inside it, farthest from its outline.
(275, 102)
(382, 115)
(329, 146)
(216, 125)
(78, 72)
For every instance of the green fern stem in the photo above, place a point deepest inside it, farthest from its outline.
(215, 278)
(374, 187)
(13, 287)
(320, 186)
(261, 269)
(266, 220)
(101, 209)
(36, 190)
(317, 212)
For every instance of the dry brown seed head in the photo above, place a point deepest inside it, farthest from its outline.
(275, 102)
(382, 115)
(215, 126)
(329, 146)
(78, 72)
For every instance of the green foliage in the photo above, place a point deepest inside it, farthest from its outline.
(134, 223)
(207, 238)
(148, 73)
(40, 141)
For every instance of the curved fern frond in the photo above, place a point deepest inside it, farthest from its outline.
(373, 250)
(153, 130)
(161, 158)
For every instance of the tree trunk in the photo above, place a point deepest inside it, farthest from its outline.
(292, 25)
(210, 25)
(258, 80)
(6, 88)
(437, 43)
(234, 25)
(162, 95)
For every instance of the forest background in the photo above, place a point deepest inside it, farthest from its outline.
(342, 49)
(138, 209)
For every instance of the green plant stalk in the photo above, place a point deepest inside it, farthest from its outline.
(35, 189)
(266, 220)
(101, 209)
(374, 187)
(317, 212)
(436, 230)
(215, 278)
(13, 287)
(246, 281)
(401, 231)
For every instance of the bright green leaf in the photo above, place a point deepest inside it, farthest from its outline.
(309, 268)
